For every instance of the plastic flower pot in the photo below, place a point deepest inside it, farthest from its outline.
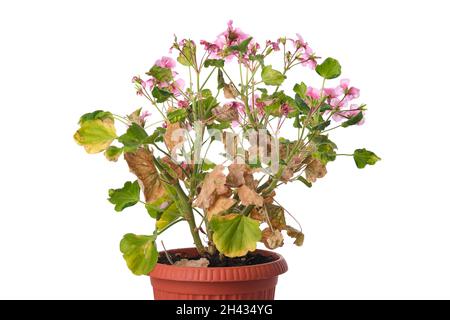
(254, 282)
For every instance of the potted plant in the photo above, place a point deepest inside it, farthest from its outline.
(217, 153)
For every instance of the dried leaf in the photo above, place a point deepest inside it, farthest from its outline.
(220, 205)
(276, 216)
(250, 197)
(174, 135)
(229, 91)
(258, 214)
(226, 113)
(272, 239)
(212, 187)
(240, 174)
(314, 170)
(200, 263)
(296, 234)
(175, 167)
(141, 164)
(269, 199)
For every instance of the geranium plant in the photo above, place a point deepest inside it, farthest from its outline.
(221, 140)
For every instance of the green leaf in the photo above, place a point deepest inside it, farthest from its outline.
(125, 197)
(306, 182)
(177, 115)
(300, 89)
(139, 252)
(96, 115)
(208, 165)
(235, 234)
(301, 105)
(160, 74)
(156, 136)
(353, 120)
(133, 138)
(325, 149)
(242, 47)
(220, 126)
(297, 124)
(220, 79)
(272, 77)
(156, 208)
(322, 125)
(219, 63)
(188, 54)
(257, 57)
(324, 107)
(113, 153)
(169, 214)
(329, 69)
(365, 157)
(95, 135)
(161, 95)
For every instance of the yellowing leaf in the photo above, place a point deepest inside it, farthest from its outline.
(296, 234)
(221, 204)
(170, 214)
(141, 164)
(96, 135)
(139, 252)
(250, 197)
(234, 234)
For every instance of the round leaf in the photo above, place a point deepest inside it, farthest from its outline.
(329, 69)
(139, 252)
(234, 234)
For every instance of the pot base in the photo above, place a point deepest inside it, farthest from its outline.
(255, 282)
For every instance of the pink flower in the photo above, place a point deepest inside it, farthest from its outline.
(353, 93)
(144, 115)
(347, 114)
(308, 58)
(176, 87)
(285, 109)
(166, 62)
(274, 45)
(210, 47)
(183, 103)
(299, 42)
(238, 105)
(313, 93)
(333, 92)
(344, 84)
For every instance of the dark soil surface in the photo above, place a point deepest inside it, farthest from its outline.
(216, 261)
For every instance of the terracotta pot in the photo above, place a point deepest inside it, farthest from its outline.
(256, 282)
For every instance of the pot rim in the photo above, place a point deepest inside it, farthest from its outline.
(206, 274)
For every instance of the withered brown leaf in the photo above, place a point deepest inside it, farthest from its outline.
(141, 164)
(213, 186)
(221, 204)
(229, 91)
(296, 234)
(226, 113)
(240, 174)
(314, 170)
(174, 135)
(272, 239)
(249, 196)
(176, 168)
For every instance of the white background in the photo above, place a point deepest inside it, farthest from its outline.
(382, 232)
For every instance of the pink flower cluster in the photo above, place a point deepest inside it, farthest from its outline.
(175, 87)
(339, 98)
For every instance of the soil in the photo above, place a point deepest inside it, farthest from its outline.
(215, 260)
